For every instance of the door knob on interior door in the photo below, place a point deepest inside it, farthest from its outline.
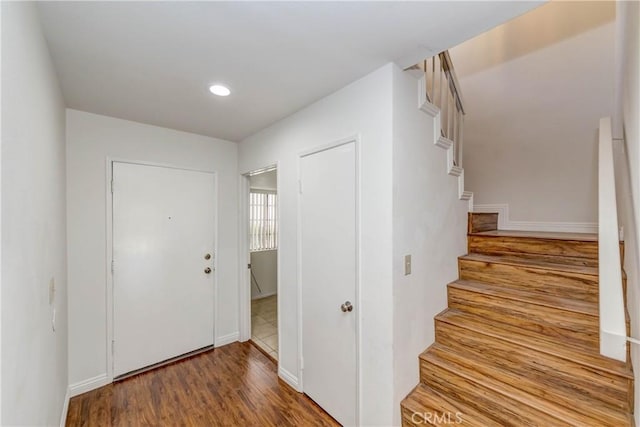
(207, 270)
(346, 307)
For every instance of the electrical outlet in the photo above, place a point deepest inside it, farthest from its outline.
(52, 291)
(407, 265)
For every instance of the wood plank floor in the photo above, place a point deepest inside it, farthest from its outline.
(234, 385)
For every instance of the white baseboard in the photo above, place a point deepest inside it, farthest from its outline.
(505, 222)
(65, 408)
(260, 296)
(227, 339)
(88, 385)
(289, 378)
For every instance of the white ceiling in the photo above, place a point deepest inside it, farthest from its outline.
(153, 62)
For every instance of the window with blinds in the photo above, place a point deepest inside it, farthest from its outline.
(263, 221)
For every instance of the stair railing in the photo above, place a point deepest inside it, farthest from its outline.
(613, 330)
(443, 90)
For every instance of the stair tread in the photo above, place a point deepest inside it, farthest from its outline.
(463, 366)
(551, 259)
(579, 237)
(535, 341)
(423, 398)
(534, 369)
(531, 297)
(532, 261)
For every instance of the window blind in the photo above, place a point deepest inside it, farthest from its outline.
(263, 220)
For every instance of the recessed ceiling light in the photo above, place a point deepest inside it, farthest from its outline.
(219, 90)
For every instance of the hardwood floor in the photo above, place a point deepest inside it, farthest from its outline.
(234, 385)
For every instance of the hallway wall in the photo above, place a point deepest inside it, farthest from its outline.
(535, 89)
(91, 139)
(34, 319)
(362, 108)
(429, 223)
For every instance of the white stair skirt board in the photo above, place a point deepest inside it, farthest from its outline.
(505, 222)
(434, 112)
(65, 408)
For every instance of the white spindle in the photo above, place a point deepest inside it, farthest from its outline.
(433, 78)
(441, 103)
(450, 107)
(460, 139)
(454, 118)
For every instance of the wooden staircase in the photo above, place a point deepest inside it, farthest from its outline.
(519, 343)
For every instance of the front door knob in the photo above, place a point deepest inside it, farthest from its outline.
(207, 270)
(346, 307)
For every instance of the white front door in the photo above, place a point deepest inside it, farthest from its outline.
(163, 296)
(328, 275)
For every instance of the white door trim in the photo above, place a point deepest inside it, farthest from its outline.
(244, 293)
(109, 248)
(350, 139)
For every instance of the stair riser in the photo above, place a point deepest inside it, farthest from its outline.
(478, 222)
(523, 245)
(435, 416)
(555, 323)
(504, 245)
(538, 366)
(431, 408)
(558, 283)
(407, 420)
(502, 408)
(414, 418)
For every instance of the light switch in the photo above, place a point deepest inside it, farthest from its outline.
(407, 265)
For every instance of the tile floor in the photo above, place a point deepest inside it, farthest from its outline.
(264, 324)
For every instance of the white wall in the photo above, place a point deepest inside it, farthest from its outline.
(90, 140)
(534, 90)
(363, 108)
(628, 166)
(34, 357)
(429, 223)
(264, 265)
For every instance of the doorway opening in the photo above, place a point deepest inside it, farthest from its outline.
(262, 230)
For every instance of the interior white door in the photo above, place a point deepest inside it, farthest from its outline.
(163, 292)
(328, 276)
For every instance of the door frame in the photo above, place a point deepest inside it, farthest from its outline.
(355, 139)
(109, 249)
(244, 255)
